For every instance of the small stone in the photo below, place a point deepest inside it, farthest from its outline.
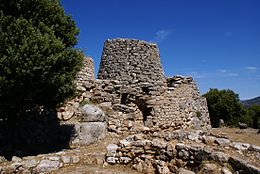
(222, 141)
(183, 154)
(254, 148)
(75, 159)
(185, 171)
(240, 146)
(48, 166)
(194, 136)
(29, 163)
(226, 170)
(111, 160)
(16, 159)
(124, 160)
(159, 143)
(220, 157)
(66, 159)
(16, 166)
(162, 167)
(242, 125)
(112, 149)
(54, 158)
(125, 143)
(81, 89)
(138, 137)
(208, 139)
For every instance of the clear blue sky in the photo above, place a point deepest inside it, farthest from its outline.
(215, 41)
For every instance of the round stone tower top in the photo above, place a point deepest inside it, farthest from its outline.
(131, 60)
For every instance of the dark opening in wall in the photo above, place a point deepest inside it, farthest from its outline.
(124, 98)
(145, 90)
(142, 106)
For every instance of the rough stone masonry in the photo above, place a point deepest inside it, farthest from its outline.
(134, 94)
(163, 102)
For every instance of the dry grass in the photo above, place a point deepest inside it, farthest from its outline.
(240, 135)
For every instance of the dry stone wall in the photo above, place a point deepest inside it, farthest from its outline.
(134, 94)
(131, 61)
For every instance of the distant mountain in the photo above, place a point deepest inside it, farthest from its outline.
(250, 102)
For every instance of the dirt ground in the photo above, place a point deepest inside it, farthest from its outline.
(248, 135)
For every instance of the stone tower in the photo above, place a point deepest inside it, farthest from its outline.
(131, 61)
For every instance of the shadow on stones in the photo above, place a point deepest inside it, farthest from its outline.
(35, 134)
(142, 106)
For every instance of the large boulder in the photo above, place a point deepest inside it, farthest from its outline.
(89, 132)
(92, 113)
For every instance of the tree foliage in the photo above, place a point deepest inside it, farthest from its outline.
(38, 63)
(253, 116)
(224, 104)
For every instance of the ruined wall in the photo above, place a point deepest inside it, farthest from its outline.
(128, 111)
(86, 73)
(131, 61)
(135, 95)
(180, 107)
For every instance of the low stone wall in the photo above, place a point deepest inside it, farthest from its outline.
(193, 150)
(49, 163)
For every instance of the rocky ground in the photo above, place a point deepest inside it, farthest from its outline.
(224, 150)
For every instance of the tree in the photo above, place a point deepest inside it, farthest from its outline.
(224, 104)
(253, 115)
(38, 61)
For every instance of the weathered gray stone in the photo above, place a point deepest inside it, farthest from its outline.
(183, 154)
(47, 166)
(209, 139)
(75, 159)
(29, 163)
(254, 148)
(240, 146)
(66, 159)
(111, 160)
(159, 143)
(111, 150)
(68, 113)
(162, 167)
(243, 166)
(16, 159)
(54, 158)
(91, 113)
(123, 108)
(124, 160)
(125, 143)
(194, 136)
(242, 125)
(15, 167)
(89, 132)
(222, 141)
